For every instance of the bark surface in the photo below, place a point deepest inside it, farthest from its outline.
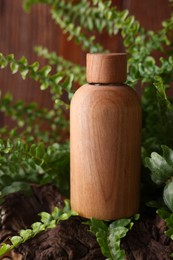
(71, 239)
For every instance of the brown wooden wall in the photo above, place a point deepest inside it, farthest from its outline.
(20, 32)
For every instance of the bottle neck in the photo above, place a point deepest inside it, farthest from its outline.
(108, 84)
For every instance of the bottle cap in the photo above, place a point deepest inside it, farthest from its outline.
(106, 68)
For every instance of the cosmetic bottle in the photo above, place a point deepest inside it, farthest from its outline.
(105, 141)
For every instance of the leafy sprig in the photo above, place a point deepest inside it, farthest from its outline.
(109, 236)
(61, 13)
(22, 164)
(61, 64)
(161, 166)
(167, 216)
(29, 120)
(57, 82)
(97, 15)
(162, 173)
(142, 66)
(102, 16)
(47, 221)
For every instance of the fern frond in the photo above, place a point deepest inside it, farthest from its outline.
(57, 82)
(48, 220)
(31, 120)
(61, 64)
(22, 163)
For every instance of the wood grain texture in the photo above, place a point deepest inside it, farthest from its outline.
(105, 151)
(20, 32)
(101, 68)
(149, 13)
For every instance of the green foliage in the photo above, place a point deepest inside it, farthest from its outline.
(41, 75)
(142, 66)
(100, 15)
(47, 221)
(162, 173)
(168, 218)
(28, 160)
(97, 15)
(161, 166)
(69, 68)
(61, 13)
(22, 164)
(168, 194)
(157, 119)
(109, 236)
(58, 84)
(30, 121)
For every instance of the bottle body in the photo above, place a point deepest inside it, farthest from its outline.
(105, 132)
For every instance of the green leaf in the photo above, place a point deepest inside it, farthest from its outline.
(23, 61)
(37, 227)
(120, 222)
(4, 248)
(164, 214)
(45, 217)
(34, 66)
(44, 85)
(25, 234)
(67, 205)
(169, 221)
(14, 67)
(169, 233)
(45, 71)
(3, 61)
(52, 224)
(161, 92)
(16, 240)
(67, 84)
(116, 231)
(56, 213)
(40, 150)
(24, 72)
(109, 236)
(16, 186)
(168, 154)
(65, 215)
(168, 194)
(47, 221)
(100, 229)
(160, 166)
(168, 218)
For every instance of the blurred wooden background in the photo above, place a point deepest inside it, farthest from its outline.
(20, 32)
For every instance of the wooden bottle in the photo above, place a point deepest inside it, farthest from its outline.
(105, 133)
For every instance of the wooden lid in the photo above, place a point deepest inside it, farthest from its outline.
(106, 68)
